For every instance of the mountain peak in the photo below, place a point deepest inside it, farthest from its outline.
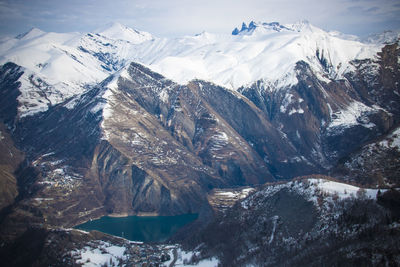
(271, 26)
(301, 25)
(116, 30)
(109, 26)
(32, 33)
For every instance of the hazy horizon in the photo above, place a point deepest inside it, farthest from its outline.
(177, 17)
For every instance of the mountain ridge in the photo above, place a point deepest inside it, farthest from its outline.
(103, 126)
(229, 62)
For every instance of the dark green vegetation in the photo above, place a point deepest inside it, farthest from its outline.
(140, 228)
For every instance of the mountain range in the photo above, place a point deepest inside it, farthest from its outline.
(120, 122)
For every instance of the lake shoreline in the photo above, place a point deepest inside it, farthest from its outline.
(139, 227)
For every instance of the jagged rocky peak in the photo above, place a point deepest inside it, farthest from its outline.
(300, 26)
(275, 26)
(116, 30)
(245, 28)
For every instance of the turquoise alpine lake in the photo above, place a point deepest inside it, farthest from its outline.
(139, 228)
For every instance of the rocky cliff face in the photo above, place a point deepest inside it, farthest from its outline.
(326, 119)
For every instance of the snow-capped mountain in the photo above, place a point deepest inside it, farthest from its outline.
(261, 51)
(64, 64)
(117, 31)
(58, 66)
(119, 122)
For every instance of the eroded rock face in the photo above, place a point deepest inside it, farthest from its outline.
(327, 119)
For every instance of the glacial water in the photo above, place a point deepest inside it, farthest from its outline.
(140, 228)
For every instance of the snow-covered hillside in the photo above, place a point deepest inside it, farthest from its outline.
(303, 223)
(314, 188)
(59, 66)
(262, 51)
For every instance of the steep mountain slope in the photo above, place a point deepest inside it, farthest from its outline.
(328, 119)
(76, 173)
(10, 158)
(133, 134)
(311, 222)
(375, 164)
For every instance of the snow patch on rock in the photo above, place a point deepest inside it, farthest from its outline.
(393, 140)
(104, 254)
(353, 114)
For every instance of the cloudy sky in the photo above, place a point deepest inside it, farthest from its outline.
(180, 17)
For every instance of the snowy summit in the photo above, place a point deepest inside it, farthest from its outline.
(66, 63)
(117, 31)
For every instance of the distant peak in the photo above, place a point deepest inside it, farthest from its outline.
(386, 37)
(270, 27)
(244, 27)
(111, 26)
(32, 33)
(117, 24)
(116, 30)
(274, 26)
(301, 25)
